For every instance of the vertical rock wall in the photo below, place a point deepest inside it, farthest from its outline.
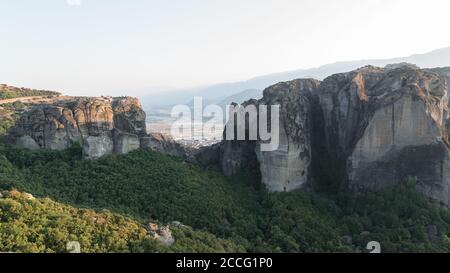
(101, 125)
(362, 130)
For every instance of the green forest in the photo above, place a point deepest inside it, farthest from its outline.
(218, 213)
(44, 226)
(9, 114)
(11, 92)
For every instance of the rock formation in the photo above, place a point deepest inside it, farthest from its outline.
(164, 144)
(101, 125)
(161, 234)
(381, 126)
(361, 130)
(287, 168)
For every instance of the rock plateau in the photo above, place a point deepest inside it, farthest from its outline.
(100, 125)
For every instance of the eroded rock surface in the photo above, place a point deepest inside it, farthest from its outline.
(101, 125)
(287, 168)
(362, 130)
(164, 144)
(382, 126)
(161, 234)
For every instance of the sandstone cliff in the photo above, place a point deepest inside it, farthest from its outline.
(380, 126)
(101, 125)
(362, 130)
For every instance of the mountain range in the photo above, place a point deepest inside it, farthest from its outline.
(223, 92)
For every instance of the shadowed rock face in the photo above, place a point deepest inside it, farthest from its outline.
(129, 116)
(101, 125)
(362, 130)
(164, 144)
(237, 155)
(373, 116)
(287, 168)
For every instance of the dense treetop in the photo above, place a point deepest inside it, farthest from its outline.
(147, 186)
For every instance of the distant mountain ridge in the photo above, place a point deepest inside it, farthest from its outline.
(241, 97)
(219, 92)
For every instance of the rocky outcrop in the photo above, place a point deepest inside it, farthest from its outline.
(382, 126)
(161, 234)
(101, 125)
(129, 116)
(208, 155)
(27, 142)
(287, 168)
(126, 142)
(97, 146)
(164, 144)
(362, 130)
(443, 71)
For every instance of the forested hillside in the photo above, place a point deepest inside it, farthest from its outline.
(9, 114)
(146, 186)
(42, 225)
(11, 92)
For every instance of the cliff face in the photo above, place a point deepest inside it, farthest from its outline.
(287, 168)
(101, 125)
(362, 130)
(380, 126)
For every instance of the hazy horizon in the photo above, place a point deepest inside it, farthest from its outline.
(99, 47)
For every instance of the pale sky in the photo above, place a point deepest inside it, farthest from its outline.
(130, 47)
